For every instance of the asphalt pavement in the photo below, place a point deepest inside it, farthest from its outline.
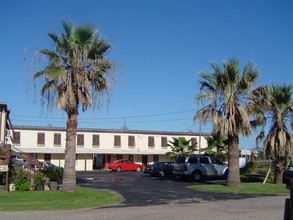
(154, 198)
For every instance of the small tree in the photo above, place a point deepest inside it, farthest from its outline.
(181, 146)
(217, 146)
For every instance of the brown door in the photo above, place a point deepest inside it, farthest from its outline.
(144, 159)
(47, 157)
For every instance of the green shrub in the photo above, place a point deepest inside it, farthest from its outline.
(24, 187)
(250, 167)
(18, 178)
(38, 179)
(54, 174)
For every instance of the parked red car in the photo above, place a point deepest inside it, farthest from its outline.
(120, 165)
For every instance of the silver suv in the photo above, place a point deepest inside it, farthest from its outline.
(198, 167)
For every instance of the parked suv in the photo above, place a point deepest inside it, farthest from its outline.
(198, 167)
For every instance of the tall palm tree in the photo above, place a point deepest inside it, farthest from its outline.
(76, 77)
(273, 105)
(181, 146)
(223, 94)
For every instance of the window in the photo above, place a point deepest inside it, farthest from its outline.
(151, 141)
(57, 139)
(16, 138)
(155, 157)
(204, 160)
(96, 140)
(118, 156)
(164, 142)
(41, 139)
(215, 161)
(192, 160)
(194, 142)
(80, 140)
(117, 141)
(131, 141)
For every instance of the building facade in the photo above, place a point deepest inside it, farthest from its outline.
(96, 148)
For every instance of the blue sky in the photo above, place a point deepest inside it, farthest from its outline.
(162, 44)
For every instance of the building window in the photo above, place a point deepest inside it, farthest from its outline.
(16, 138)
(80, 140)
(57, 139)
(118, 157)
(151, 141)
(155, 157)
(194, 142)
(131, 141)
(117, 141)
(41, 139)
(96, 140)
(164, 142)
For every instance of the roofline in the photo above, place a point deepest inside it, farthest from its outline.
(100, 130)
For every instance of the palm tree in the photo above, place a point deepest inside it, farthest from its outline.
(181, 146)
(225, 91)
(76, 77)
(273, 105)
(217, 146)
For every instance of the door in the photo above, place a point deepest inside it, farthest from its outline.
(144, 159)
(47, 158)
(209, 167)
(219, 166)
(99, 161)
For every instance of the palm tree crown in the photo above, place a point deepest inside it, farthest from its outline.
(224, 93)
(181, 146)
(75, 74)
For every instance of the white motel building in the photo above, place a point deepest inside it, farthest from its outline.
(97, 147)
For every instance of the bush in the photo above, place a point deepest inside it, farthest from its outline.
(24, 187)
(18, 178)
(54, 174)
(38, 179)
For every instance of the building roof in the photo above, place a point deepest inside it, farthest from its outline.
(100, 130)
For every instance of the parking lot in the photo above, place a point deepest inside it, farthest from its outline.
(140, 189)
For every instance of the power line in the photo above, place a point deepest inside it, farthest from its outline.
(108, 118)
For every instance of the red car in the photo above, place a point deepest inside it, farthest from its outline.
(120, 165)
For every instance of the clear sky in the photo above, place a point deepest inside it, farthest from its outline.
(162, 44)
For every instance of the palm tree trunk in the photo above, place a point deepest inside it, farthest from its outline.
(280, 165)
(233, 162)
(69, 176)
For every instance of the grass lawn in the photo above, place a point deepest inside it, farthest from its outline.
(249, 185)
(53, 200)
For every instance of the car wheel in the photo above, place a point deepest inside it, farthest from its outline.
(118, 169)
(197, 176)
(161, 173)
(138, 169)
